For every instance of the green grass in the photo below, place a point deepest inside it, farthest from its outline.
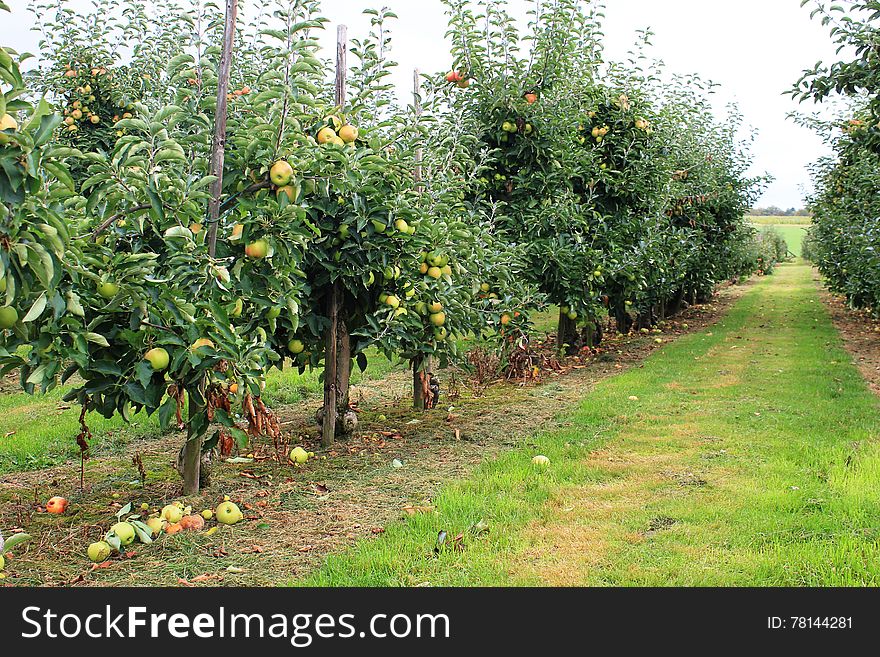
(779, 221)
(749, 458)
(793, 235)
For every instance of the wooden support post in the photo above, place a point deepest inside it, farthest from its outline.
(218, 148)
(331, 347)
(192, 453)
(421, 366)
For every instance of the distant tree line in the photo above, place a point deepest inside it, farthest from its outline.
(773, 211)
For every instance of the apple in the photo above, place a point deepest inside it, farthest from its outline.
(298, 455)
(348, 133)
(274, 312)
(435, 307)
(325, 135)
(440, 333)
(237, 308)
(423, 268)
(258, 249)
(171, 513)
(237, 230)
(228, 513)
(334, 122)
(108, 289)
(401, 226)
(572, 315)
(392, 301)
(509, 126)
(531, 97)
(446, 270)
(540, 459)
(281, 173)
(8, 316)
(335, 141)
(484, 287)
(434, 272)
(156, 525)
(207, 514)
(56, 505)
(453, 76)
(95, 119)
(99, 551)
(158, 358)
(7, 122)
(464, 83)
(292, 192)
(438, 319)
(124, 532)
(378, 226)
(296, 346)
(505, 319)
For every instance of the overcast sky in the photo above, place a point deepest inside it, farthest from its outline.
(756, 49)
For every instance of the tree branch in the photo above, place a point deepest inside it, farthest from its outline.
(116, 217)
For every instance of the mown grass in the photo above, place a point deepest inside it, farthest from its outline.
(779, 221)
(792, 233)
(748, 458)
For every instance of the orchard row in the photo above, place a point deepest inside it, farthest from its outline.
(528, 173)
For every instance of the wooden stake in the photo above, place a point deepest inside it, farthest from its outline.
(192, 458)
(421, 365)
(218, 148)
(331, 352)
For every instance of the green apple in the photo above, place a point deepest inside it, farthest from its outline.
(8, 317)
(158, 358)
(108, 289)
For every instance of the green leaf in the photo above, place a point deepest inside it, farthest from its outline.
(97, 338)
(37, 309)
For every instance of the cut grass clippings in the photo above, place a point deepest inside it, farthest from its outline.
(745, 454)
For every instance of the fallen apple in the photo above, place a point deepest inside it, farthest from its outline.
(56, 505)
(228, 513)
(171, 513)
(155, 524)
(124, 532)
(298, 455)
(99, 551)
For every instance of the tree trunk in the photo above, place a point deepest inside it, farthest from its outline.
(331, 369)
(420, 369)
(622, 318)
(343, 376)
(566, 334)
(192, 450)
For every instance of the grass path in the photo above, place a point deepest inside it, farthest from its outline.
(748, 458)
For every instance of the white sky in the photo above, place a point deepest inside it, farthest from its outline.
(756, 49)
